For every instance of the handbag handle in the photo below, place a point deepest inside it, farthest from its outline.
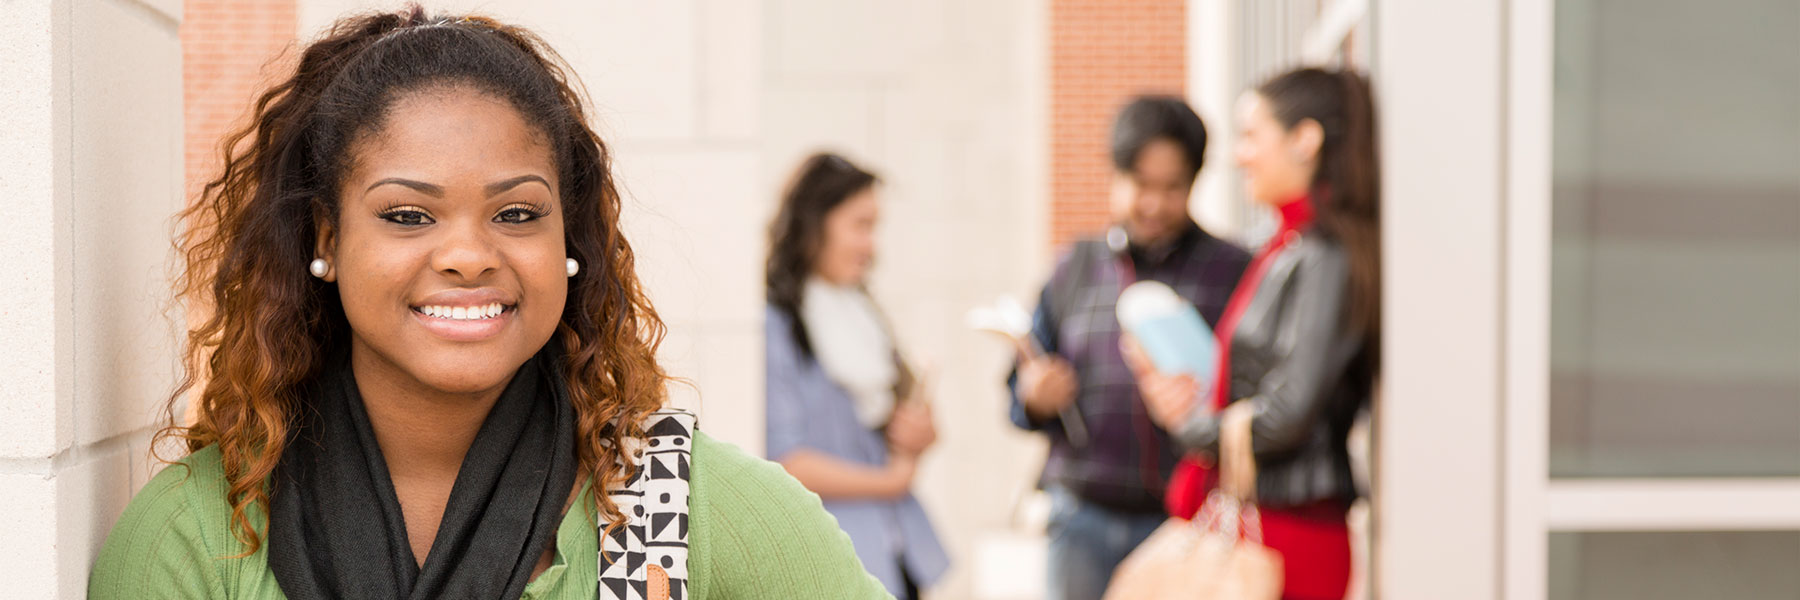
(1231, 508)
(1237, 460)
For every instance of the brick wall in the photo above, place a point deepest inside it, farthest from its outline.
(1102, 52)
(225, 45)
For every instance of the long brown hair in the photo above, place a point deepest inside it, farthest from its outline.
(821, 183)
(1347, 184)
(251, 233)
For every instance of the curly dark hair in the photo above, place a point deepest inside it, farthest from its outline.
(268, 327)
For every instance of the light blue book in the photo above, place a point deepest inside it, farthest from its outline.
(1169, 330)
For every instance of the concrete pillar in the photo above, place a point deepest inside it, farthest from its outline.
(91, 111)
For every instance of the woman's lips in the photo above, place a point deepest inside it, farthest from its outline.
(464, 323)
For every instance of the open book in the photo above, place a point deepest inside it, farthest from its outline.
(1007, 317)
(1169, 330)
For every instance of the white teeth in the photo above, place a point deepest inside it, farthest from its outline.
(486, 311)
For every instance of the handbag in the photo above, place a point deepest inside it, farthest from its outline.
(1218, 555)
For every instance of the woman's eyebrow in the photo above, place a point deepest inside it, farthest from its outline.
(419, 186)
(507, 184)
(437, 191)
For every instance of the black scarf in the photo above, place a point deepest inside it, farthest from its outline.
(335, 526)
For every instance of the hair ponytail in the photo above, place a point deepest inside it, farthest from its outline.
(1347, 185)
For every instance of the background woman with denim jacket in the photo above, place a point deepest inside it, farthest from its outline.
(844, 416)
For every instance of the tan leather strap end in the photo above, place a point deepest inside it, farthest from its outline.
(658, 588)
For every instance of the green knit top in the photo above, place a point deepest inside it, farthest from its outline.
(755, 533)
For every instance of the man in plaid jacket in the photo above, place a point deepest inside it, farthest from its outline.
(1108, 462)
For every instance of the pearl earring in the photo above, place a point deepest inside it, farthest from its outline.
(319, 268)
(572, 266)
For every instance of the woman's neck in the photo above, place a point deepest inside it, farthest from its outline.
(838, 283)
(422, 432)
(1296, 212)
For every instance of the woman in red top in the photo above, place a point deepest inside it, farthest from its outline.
(1300, 337)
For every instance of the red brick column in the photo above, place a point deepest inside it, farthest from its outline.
(224, 47)
(1102, 52)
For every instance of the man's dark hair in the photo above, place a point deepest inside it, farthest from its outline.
(1149, 118)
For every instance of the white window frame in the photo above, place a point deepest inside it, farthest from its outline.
(1535, 503)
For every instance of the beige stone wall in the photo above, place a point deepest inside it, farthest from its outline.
(91, 111)
(947, 100)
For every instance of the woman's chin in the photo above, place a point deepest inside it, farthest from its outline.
(457, 378)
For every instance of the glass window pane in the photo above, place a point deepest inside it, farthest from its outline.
(1674, 565)
(1675, 310)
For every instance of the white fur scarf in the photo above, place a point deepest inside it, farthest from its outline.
(854, 348)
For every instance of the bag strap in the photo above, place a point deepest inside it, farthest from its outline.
(646, 558)
(1237, 459)
(1230, 510)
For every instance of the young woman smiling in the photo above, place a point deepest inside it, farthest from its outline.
(429, 369)
(1300, 340)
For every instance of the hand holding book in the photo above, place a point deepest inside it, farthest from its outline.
(1169, 349)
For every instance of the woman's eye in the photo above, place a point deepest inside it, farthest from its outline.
(405, 216)
(518, 214)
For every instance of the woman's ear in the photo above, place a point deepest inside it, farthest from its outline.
(325, 249)
(1305, 140)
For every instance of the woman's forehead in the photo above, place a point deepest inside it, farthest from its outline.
(452, 134)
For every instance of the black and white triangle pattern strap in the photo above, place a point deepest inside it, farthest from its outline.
(655, 504)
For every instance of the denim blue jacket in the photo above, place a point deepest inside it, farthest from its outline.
(809, 410)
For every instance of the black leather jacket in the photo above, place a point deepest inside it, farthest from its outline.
(1292, 355)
